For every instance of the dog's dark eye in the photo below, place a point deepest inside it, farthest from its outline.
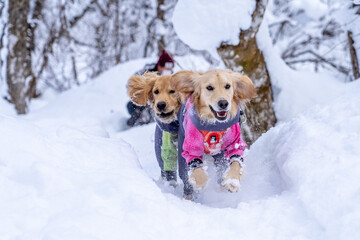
(156, 91)
(210, 88)
(227, 86)
(172, 91)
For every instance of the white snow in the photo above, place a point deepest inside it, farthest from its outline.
(67, 171)
(220, 21)
(313, 8)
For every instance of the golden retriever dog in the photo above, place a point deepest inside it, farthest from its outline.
(155, 91)
(210, 124)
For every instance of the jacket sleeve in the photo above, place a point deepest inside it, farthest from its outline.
(193, 146)
(233, 144)
(147, 68)
(172, 127)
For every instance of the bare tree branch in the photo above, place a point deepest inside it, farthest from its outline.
(318, 59)
(103, 12)
(88, 8)
(353, 56)
(2, 36)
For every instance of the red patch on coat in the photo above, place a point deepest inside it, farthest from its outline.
(213, 141)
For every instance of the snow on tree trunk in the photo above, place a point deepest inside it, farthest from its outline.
(162, 35)
(19, 73)
(247, 57)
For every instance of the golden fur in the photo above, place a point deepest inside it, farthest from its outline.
(153, 89)
(199, 178)
(233, 173)
(195, 84)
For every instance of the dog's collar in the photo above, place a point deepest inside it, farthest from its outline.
(172, 127)
(209, 126)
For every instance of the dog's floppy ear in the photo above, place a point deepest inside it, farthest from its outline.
(139, 88)
(244, 88)
(183, 82)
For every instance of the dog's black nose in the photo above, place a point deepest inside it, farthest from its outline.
(223, 104)
(161, 105)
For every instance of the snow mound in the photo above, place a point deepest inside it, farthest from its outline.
(59, 185)
(318, 156)
(205, 24)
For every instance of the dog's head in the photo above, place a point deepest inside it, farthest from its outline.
(156, 91)
(216, 93)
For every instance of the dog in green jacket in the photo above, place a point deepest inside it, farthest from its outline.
(155, 91)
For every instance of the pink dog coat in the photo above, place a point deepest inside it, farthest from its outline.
(210, 141)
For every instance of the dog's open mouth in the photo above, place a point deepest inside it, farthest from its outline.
(220, 115)
(165, 115)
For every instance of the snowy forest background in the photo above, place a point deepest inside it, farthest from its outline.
(70, 168)
(69, 42)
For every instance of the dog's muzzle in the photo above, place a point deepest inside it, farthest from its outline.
(222, 114)
(164, 114)
(161, 106)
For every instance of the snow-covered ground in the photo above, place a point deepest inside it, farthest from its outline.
(69, 171)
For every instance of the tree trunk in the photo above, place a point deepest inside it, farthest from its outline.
(19, 71)
(160, 13)
(353, 56)
(247, 56)
(116, 33)
(36, 16)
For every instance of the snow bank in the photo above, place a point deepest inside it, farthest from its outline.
(60, 184)
(318, 156)
(205, 24)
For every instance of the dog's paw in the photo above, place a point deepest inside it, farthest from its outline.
(232, 185)
(198, 178)
(232, 177)
(171, 183)
(188, 197)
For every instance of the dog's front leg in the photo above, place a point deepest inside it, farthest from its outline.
(198, 178)
(232, 176)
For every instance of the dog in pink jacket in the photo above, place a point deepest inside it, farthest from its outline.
(209, 124)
